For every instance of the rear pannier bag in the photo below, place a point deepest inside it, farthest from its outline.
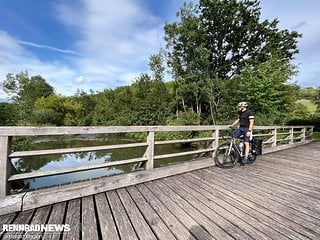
(256, 145)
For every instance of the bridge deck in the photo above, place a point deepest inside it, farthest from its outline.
(277, 197)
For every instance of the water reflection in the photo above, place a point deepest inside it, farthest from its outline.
(67, 161)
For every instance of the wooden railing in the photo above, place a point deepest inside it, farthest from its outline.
(275, 138)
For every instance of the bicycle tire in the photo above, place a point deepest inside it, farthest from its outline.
(251, 158)
(223, 160)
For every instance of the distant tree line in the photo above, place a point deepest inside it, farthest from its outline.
(219, 52)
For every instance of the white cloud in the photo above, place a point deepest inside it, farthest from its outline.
(14, 59)
(116, 38)
(300, 16)
(79, 80)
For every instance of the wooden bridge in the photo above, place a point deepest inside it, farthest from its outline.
(277, 197)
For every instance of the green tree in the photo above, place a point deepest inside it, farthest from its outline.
(213, 42)
(8, 114)
(88, 103)
(150, 101)
(317, 101)
(309, 93)
(24, 91)
(236, 36)
(57, 110)
(188, 59)
(105, 110)
(267, 90)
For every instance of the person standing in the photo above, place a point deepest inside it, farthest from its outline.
(246, 122)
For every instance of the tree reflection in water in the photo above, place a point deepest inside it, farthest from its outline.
(66, 161)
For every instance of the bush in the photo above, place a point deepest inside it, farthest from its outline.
(184, 119)
(313, 121)
(46, 117)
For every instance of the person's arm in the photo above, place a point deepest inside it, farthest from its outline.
(251, 123)
(235, 122)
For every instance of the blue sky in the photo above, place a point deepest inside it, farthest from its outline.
(94, 44)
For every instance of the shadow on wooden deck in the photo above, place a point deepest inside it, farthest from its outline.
(277, 197)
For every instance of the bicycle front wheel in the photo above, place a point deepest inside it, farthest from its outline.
(225, 157)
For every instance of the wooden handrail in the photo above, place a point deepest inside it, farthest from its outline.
(51, 131)
(6, 134)
(73, 150)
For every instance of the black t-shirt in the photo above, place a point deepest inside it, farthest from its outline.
(244, 118)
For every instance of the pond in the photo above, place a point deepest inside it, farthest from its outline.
(66, 161)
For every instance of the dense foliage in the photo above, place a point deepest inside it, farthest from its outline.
(219, 52)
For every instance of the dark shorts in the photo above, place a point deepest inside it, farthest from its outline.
(242, 131)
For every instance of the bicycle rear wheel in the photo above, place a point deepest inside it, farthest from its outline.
(252, 157)
(225, 158)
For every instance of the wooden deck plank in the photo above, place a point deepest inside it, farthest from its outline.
(179, 230)
(249, 205)
(261, 199)
(237, 207)
(198, 231)
(56, 217)
(73, 219)
(306, 155)
(293, 171)
(303, 203)
(152, 218)
(285, 180)
(202, 219)
(6, 219)
(310, 150)
(121, 218)
(253, 188)
(43, 197)
(291, 165)
(89, 223)
(106, 222)
(239, 228)
(291, 182)
(307, 171)
(40, 217)
(22, 218)
(277, 197)
(141, 227)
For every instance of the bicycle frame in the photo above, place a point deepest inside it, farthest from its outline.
(234, 145)
(230, 152)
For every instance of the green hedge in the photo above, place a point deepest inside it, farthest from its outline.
(314, 121)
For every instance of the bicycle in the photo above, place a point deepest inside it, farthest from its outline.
(229, 153)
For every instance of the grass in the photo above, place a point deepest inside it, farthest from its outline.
(316, 136)
(310, 105)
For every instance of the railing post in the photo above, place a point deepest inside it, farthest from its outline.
(150, 151)
(291, 136)
(216, 139)
(311, 133)
(274, 144)
(303, 134)
(5, 167)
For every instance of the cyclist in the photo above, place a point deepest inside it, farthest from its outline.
(245, 121)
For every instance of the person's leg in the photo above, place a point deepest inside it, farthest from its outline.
(247, 146)
(237, 134)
